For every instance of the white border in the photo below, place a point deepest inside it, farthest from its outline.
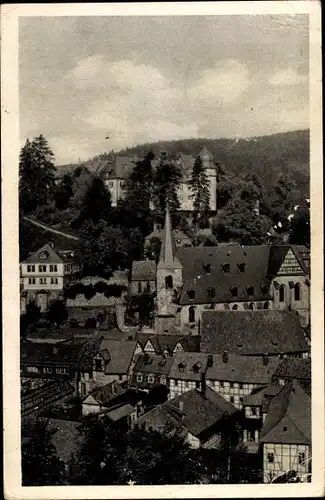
(10, 253)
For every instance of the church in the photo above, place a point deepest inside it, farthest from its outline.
(190, 280)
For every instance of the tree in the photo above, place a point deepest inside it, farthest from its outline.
(40, 464)
(30, 317)
(36, 174)
(153, 248)
(57, 312)
(200, 188)
(300, 227)
(97, 203)
(166, 181)
(64, 192)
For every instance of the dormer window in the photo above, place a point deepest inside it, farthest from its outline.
(250, 290)
(181, 367)
(98, 365)
(226, 268)
(212, 292)
(207, 268)
(191, 294)
(43, 255)
(242, 267)
(234, 291)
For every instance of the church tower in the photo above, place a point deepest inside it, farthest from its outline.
(169, 277)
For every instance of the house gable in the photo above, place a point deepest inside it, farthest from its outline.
(149, 347)
(290, 265)
(178, 348)
(90, 400)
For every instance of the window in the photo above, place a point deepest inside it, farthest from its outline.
(122, 184)
(181, 367)
(30, 269)
(235, 307)
(168, 282)
(53, 268)
(176, 381)
(191, 314)
(83, 389)
(270, 458)
(264, 290)
(191, 294)
(232, 399)
(31, 281)
(139, 377)
(47, 369)
(54, 281)
(234, 291)
(62, 371)
(282, 293)
(253, 410)
(250, 290)
(42, 269)
(110, 184)
(139, 287)
(197, 384)
(207, 268)
(221, 384)
(241, 267)
(163, 380)
(241, 386)
(297, 291)
(251, 305)
(212, 292)
(98, 365)
(120, 377)
(266, 305)
(226, 268)
(148, 286)
(151, 379)
(301, 457)
(42, 281)
(32, 369)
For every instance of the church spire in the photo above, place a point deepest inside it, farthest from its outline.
(168, 257)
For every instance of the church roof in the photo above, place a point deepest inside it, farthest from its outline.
(143, 270)
(167, 258)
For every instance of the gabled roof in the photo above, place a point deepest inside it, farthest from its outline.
(224, 274)
(242, 369)
(201, 411)
(278, 254)
(46, 254)
(143, 270)
(103, 395)
(121, 354)
(161, 342)
(252, 332)
(288, 419)
(153, 364)
(262, 396)
(161, 417)
(188, 366)
(294, 368)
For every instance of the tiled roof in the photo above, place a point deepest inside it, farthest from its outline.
(143, 270)
(294, 368)
(121, 352)
(252, 332)
(123, 410)
(288, 419)
(188, 366)
(161, 342)
(245, 369)
(224, 274)
(261, 395)
(153, 364)
(201, 411)
(46, 254)
(106, 393)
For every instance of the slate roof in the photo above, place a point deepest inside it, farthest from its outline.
(294, 368)
(121, 354)
(288, 419)
(195, 276)
(147, 363)
(188, 366)
(106, 393)
(161, 342)
(252, 332)
(201, 411)
(52, 256)
(243, 369)
(123, 410)
(143, 270)
(262, 395)
(41, 353)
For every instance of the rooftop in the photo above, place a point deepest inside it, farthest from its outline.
(121, 353)
(143, 270)
(188, 366)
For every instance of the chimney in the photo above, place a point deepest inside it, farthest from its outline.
(265, 360)
(225, 357)
(203, 384)
(210, 361)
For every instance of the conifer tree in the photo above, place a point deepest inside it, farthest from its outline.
(166, 181)
(201, 195)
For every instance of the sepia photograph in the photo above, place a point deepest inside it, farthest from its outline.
(165, 315)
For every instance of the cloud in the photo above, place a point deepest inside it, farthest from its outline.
(223, 83)
(287, 77)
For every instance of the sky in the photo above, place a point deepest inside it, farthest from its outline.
(95, 84)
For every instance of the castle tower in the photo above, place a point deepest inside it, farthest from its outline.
(211, 171)
(169, 276)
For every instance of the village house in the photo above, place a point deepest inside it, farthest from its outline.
(228, 277)
(203, 418)
(143, 277)
(187, 372)
(286, 433)
(45, 273)
(254, 333)
(150, 371)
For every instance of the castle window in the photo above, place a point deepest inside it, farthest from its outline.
(282, 293)
(191, 294)
(241, 267)
(226, 268)
(191, 314)
(212, 292)
(235, 307)
(168, 282)
(234, 291)
(297, 291)
(250, 290)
